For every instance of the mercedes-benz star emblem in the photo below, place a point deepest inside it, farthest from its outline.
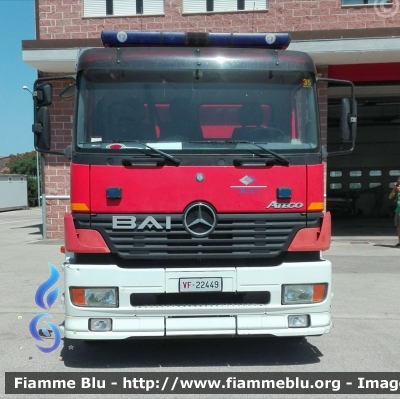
(199, 219)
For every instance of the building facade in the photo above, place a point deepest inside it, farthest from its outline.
(357, 40)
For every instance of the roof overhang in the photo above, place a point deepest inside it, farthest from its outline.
(351, 51)
(54, 60)
(325, 47)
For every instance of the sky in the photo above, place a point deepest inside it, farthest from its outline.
(17, 23)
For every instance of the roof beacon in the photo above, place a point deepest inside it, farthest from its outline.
(135, 39)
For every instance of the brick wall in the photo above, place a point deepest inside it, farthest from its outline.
(63, 19)
(56, 167)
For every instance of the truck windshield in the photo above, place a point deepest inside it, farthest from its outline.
(177, 110)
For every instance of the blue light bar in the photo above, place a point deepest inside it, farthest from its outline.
(134, 39)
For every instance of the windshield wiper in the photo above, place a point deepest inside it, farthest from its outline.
(176, 161)
(284, 160)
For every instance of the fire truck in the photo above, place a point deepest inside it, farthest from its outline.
(197, 187)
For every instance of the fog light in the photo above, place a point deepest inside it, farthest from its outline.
(100, 325)
(105, 297)
(297, 321)
(303, 293)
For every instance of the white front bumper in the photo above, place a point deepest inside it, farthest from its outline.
(197, 320)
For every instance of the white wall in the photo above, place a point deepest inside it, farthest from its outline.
(13, 192)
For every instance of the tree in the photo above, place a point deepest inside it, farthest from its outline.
(25, 164)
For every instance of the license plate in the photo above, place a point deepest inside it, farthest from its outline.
(200, 284)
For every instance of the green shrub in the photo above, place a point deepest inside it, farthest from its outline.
(23, 164)
(32, 191)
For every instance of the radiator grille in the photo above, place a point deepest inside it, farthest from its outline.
(235, 236)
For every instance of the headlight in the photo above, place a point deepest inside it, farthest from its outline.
(100, 325)
(105, 297)
(303, 293)
(299, 321)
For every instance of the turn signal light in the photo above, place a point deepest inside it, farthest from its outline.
(316, 206)
(79, 207)
(78, 296)
(319, 292)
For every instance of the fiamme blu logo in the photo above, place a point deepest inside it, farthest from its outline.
(45, 302)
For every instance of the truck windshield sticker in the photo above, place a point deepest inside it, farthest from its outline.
(167, 146)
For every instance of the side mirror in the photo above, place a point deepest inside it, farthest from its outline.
(41, 128)
(42, 98)
(68, 152)
(324, 153)
(348, 117)
(345, 132)
(43, 95)
(68, 91)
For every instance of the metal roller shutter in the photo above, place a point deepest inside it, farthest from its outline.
(193, 6)
(124, 7)
(153, 7)
(225, 5)
(94, 8)
(256, 5)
